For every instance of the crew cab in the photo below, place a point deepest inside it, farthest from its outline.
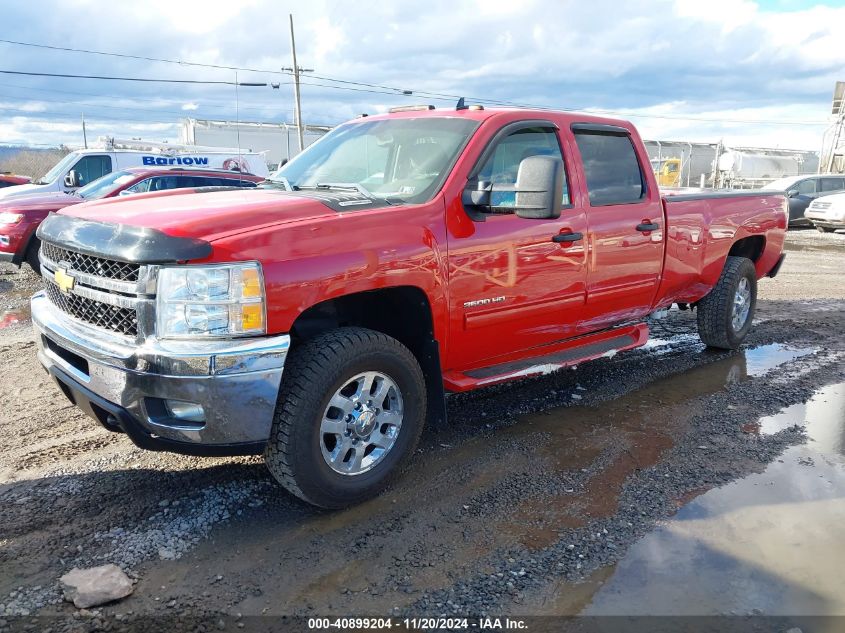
(20, 217)
(321, 318)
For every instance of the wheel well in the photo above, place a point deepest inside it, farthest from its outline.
(402, 312)
(749, 247)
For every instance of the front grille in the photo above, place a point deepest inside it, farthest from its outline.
(90, 264)
(114, 318)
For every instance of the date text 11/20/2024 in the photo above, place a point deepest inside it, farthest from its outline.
(417, 624)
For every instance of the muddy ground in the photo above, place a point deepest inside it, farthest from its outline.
(572, 493)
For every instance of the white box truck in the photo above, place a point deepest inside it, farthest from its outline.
(86, 165)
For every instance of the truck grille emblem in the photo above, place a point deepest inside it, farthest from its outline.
(64, 281)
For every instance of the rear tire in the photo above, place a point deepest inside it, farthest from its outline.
(336, 441)
(32, 255)
(726, 313)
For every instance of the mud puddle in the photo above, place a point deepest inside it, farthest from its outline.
(632, 432)
(17, 316)
(769, 543)
(14, 304)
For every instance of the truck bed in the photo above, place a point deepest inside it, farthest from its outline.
(702, 227)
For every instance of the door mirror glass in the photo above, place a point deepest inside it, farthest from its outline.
(72, 179)
(539, 187)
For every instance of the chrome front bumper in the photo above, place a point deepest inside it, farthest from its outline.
(124, 385)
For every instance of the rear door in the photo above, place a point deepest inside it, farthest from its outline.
(512, 286)
(625, 227)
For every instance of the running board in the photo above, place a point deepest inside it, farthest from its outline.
(555, 356)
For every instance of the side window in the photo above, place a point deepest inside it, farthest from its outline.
(184, 182)
(162, 183)
(611, 167)
(502, 167)
(832, 184)
(90, 168)
(806, 186)
(139, 187)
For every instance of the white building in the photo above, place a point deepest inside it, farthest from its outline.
(277, 140)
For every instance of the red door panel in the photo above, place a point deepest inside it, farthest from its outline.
(625, 227)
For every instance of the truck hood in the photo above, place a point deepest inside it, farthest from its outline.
(206, 215)
(39, 202)
(22, 190)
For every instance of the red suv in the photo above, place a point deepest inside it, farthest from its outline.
(10, 180)
(19, 217)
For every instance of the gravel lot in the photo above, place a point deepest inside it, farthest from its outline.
(534, 488)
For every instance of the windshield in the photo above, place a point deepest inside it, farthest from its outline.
(782, 184)
(403, 160)
(58, 169)
(102, 187)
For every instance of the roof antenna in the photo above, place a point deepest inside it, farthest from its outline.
(461, 105)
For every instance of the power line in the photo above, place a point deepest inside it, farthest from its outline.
(372, 87)
(142, 79)
(207, 103)
(81, 104)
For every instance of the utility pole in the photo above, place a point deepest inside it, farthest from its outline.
(84, 133)
(296, 70)
(837, 110)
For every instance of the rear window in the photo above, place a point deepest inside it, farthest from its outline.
(832, 184)
(611, 167)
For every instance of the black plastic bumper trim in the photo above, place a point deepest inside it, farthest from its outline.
(776, 268)
(7, 257)
(115, 418)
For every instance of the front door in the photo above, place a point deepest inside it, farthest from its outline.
(511, 286)
(625, 227)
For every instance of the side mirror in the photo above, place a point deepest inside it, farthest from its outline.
(539, 188)
(125, 192)
(792, 193)
(72, 179)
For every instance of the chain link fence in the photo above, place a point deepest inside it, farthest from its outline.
(28, 161)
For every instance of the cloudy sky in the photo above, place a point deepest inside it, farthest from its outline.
(751, 73)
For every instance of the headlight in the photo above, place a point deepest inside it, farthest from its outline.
(217, 300)
(7, 217)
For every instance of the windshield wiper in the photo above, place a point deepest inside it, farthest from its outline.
(280, 180)
(350, 186)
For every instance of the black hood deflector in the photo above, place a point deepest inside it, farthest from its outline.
(121, 242)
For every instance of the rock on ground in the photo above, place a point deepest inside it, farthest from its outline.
(95, 586)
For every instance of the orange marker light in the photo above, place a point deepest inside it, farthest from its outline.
(250, 283)
(252, 317)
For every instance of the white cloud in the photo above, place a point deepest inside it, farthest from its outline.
(681, 58)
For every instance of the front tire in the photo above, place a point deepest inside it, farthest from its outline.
(32, 255)
(350, 412)
(726, 313)
(824, 229)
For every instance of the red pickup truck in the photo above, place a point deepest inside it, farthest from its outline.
(321, 318)
(20, 217)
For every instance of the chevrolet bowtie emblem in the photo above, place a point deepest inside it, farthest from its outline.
(64, 281)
